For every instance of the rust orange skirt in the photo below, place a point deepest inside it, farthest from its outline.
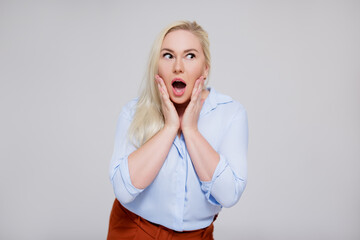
(125, 225)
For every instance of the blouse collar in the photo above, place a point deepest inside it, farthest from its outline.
(213, 100)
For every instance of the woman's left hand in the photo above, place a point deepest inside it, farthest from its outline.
(189, 121)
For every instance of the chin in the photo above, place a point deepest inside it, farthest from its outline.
(180, 100)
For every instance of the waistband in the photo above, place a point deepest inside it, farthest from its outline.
(154, 229)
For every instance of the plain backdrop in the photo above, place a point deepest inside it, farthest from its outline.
(68, 67)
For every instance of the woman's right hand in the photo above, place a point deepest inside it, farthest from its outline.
(142, 171)
(171, 116)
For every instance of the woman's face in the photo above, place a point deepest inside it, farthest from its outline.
(181, 63)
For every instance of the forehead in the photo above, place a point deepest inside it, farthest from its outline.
(181, 40)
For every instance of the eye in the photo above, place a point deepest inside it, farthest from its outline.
(167, 55)
(190, 56)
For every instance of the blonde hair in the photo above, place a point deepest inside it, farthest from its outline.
(148, 118)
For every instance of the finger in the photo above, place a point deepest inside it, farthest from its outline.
(201, 84)
(162, 85)
(198, 88)
(194, 92)
(157, 78)
(199, 92)
(158, 83)
(160, 89)
(159, 86)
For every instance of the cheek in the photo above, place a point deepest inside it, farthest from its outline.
(161, 69)
(164, 69)
(196, 71)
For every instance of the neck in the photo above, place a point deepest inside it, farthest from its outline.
(180, 108)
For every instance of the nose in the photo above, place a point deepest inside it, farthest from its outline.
(178, 66)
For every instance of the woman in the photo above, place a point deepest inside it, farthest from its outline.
(180, 149)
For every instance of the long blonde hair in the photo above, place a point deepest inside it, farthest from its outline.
(148, 118)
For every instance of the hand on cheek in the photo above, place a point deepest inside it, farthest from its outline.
(170, 114)
(191, 115)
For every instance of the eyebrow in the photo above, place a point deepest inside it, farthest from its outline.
(185, 51)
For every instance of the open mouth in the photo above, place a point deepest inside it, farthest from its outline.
(179, 87)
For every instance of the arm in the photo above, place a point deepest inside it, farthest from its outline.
(230, 176)
(203, 156)
(146, 161)
(131, 170)
(223, 173)
(118, 172)
(142, 169)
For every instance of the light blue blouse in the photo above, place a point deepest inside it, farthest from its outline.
(177, 199)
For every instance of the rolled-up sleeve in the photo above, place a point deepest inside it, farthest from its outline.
(230, 176)
(119, 175)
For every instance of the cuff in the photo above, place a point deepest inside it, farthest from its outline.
(207, 185)
(124, 172)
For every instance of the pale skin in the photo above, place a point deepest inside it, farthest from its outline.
(181, 114)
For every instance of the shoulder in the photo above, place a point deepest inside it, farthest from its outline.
(226, 105)
(129, 109)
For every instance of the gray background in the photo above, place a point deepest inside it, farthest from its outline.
(68, 67)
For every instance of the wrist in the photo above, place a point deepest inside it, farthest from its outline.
(189, 131)
(171, 128)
